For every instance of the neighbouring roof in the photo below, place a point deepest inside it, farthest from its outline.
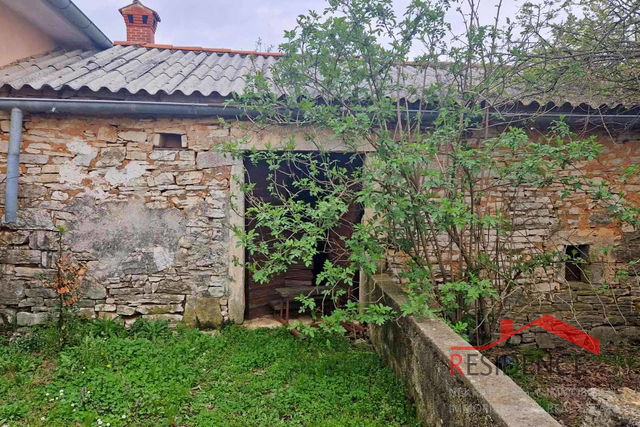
(62, 20)
(137, 68)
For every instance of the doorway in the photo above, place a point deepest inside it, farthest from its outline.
(262, 298)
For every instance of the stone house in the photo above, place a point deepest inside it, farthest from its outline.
(114, 141)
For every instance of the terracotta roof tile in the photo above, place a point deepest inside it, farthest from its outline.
(197, 48)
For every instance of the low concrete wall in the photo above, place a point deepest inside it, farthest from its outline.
(420, 352)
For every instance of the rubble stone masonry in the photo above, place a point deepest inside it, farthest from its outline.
(604, 303)
(151, 224)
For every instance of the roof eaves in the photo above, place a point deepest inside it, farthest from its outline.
(72, 14)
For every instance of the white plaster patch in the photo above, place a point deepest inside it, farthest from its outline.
(84, 152)
(130, 172)
(162, 257)
(72, 173)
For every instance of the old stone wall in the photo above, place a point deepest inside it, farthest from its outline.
(606, 302)
(151, 224)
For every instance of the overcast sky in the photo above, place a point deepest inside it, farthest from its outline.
(233, 24)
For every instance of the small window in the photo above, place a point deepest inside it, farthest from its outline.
(576, 263)
(130, 18)
(145, 18)
(170, 141)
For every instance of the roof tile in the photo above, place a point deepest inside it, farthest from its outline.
(169, 70)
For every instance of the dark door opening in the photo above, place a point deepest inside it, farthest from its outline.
(260, 297)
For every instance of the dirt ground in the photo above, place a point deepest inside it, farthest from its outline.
(558, 379)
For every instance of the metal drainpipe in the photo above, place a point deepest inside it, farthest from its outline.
(13, 167)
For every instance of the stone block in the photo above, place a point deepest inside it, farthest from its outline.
(48, 178)
(108, 133)
(124, 310)
(44, 240)
(216, 292)
(546, 340)
(85, 303)
(33, 219)
(11, 291)
(160, 309)
(595, 299)
(187, 156)
(31, 319)
(607, 408)
(126, 292)
(34, 273)
(189, 178)
(105, 307)
(203, 312)
(133, 136)
(20, 257)
(59, 196)
(41, 291)
(163, 155)
(38, 159)
(31, 302)
(166, 178)
(599, 219)
(111, 156)
(149, 299)
(136, 155)
(13, 237)
(631, 334)
(540, 309)
(30, 191)
(629, 249)
(93, 291)
(515, 339)
(212, 159)
(174, 287)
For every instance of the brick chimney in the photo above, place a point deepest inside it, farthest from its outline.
(141, 22)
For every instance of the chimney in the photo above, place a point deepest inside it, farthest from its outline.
(141, 22)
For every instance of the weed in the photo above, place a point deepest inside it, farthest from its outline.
(151, 375)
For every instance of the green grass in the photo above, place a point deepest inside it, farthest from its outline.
(152, 377)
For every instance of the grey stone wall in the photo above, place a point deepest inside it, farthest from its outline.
(606, 304)
(419, 351)
(151, 224)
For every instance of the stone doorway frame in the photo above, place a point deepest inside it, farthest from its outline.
(237, 298)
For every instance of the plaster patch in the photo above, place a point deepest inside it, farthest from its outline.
(130, 172)
(72, 173)
(84, 152)
(163, 257)
(125, 236)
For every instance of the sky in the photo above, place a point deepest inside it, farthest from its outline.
(231, 24)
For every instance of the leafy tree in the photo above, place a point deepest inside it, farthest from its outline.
(446, 155)
(597, 41)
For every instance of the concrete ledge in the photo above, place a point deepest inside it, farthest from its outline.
(419, 351)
